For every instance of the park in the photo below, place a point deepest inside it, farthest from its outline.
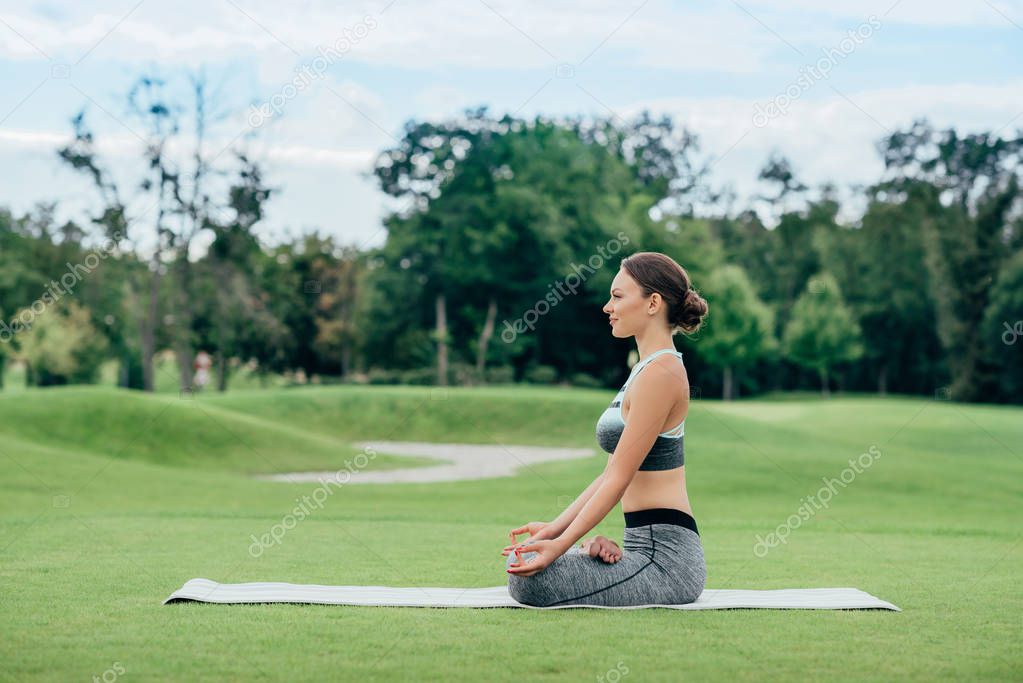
(308, 316)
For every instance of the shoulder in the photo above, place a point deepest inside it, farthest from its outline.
(664, 374)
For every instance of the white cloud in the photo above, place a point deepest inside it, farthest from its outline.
(915, 12)
(495, 34)
(408, 35)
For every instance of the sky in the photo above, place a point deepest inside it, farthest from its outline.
(316, 90)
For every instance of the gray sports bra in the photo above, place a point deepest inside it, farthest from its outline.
(668, 451)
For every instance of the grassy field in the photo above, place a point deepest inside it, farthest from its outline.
(111, 500)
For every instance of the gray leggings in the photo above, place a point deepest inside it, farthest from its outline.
(661, 564)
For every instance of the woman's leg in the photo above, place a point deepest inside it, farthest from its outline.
(660, 564)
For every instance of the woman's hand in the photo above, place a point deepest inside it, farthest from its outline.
(546, 553)
(537, 531)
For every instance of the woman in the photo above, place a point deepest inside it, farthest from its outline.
(662, 561)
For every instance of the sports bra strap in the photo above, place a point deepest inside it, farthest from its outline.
(643, 363)
(646, 361)
(674, 432)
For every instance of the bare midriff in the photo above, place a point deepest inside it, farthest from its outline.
(659, 488)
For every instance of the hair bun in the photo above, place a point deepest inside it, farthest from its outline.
(690, 312)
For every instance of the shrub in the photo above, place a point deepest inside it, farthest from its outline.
(581, 379)
(382, 376)
(502, 374)
(420, 376)
(542, 374)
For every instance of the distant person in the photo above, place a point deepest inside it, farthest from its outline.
(662, 561)
(203, 363)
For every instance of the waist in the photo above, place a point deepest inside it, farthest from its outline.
(660, 516)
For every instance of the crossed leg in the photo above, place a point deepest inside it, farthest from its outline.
(575, 578)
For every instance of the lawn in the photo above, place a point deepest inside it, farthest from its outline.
(110, 500)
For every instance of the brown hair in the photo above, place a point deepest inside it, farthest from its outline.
(657, 272)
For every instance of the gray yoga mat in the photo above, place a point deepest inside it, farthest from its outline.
(204, 590)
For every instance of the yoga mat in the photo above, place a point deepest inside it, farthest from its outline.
(204, 590)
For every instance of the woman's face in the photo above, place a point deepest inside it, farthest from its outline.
(626, 309)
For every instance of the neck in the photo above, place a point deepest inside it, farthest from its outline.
(652, 343)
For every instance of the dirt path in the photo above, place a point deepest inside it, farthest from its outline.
(467, 461)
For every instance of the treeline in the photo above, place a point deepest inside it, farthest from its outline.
(498, 265)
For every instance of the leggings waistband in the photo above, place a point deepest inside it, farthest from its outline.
(660, 516)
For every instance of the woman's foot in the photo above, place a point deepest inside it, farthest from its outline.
(604, 548)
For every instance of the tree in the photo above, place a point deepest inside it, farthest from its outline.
(779, 173)
(822, 331)
(426, 158)
(61, 346)
(175, 196)
(1002, 328)
(970, 189)
(663, 159)
(739, 328)
(498, 208)
(879, 269)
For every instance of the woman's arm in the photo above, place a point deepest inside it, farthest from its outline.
(609, 491)
(655, 395)
(568, 516)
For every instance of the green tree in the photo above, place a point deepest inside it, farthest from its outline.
(178, 194)
(61, 346)
(739, 328)
(822, 331)
(878, 266)
(502, 209)
(970, 189)
(1002, 328)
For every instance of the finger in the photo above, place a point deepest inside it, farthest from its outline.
(523, 571)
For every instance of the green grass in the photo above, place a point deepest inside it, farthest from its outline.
(111, 500)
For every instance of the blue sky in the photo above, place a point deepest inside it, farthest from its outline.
(709, 65)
